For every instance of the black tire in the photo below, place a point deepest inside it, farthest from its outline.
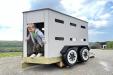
(70, 57)
(83, 54)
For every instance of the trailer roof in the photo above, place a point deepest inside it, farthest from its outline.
(54, 11)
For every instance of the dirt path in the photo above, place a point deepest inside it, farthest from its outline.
(102, 64)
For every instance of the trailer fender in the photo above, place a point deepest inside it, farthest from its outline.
(64, 49)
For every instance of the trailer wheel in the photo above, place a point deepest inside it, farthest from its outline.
(83, 54)
(70, 57)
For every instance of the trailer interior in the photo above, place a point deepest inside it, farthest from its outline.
(40, 26)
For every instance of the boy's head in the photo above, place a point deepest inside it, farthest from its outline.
(31, 27)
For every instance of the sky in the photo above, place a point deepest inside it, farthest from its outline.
(98, 14)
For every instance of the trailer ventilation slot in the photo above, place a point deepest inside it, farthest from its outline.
(73, 39)
(59, 38)
(83, 27)
(84, 39)
(70, 39)
(73, 24)
(59, 21)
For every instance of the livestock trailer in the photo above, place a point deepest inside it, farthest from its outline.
(66, 38)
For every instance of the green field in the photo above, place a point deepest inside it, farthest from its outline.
(10, 54)
(10, 48)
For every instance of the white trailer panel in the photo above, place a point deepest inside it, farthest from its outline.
(64, 33)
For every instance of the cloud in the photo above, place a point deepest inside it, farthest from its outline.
(112, 7)
(95, 32)
(86, 11)
(105, 16)
(10, 34)
(4, 27)
(97, 23)
(98, 13)
(95, 35)
(72, 5)
(54, 4)
(11, 18)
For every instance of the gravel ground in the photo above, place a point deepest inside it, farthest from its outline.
(102, 64)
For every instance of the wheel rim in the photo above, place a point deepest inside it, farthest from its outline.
(85, 54)
(72, 56)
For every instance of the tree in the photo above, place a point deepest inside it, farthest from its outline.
(95, 45)
(110, 44)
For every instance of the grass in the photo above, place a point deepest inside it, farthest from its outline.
(11, 49)
(10, 54)
(11, 46)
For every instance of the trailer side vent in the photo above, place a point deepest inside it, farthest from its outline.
(73, 24)
(59, 21)
(59, 38)
(84, 39)
(83, 27)
(72, 39)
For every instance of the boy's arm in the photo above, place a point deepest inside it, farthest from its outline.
(41, 35)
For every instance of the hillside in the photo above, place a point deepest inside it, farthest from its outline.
(10, 46)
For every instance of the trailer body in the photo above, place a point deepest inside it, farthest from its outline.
(60, 30)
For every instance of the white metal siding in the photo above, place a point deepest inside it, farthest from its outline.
(34, 17)
(66, 31)
(54, 29)
(46, 32)
(24, 36)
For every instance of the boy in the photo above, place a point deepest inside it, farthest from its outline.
(37, 38)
